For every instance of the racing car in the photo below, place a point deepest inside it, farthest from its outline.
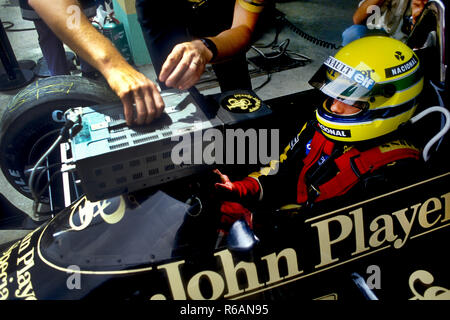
(160, 242)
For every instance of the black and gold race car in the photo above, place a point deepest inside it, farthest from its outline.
(161, 241)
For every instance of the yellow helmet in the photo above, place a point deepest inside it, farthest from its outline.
(377, 74)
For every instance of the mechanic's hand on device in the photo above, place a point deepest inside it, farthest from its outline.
(185, 64)
(133, 87)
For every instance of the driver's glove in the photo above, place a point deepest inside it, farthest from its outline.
(231, 212)
(237, 190)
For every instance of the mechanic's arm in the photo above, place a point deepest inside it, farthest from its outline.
(186, 63)
(360, 16)
(130, 85)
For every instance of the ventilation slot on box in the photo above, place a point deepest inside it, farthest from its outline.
(141, 131)
(146, 139)
(138, 176)
(116, 117)
(115, 139)
(152, 172)
(118, 146)
(118, 129)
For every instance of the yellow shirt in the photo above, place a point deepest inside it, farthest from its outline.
(252, 5)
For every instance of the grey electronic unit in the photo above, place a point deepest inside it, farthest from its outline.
(112, 158)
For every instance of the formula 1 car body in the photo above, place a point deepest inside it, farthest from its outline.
(161, 243)
(151, 247)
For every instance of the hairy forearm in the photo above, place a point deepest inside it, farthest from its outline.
(360, 15)
(231, 42)
(78, 33)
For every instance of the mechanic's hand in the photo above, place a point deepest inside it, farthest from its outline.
(185, 65)
(133, 87)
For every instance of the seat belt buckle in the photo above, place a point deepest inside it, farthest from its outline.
(313, 192)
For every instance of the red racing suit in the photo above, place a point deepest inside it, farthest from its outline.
(313, 168)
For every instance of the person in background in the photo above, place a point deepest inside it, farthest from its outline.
(178, 32)
(417, 7)
(51, 46)
(391, 17)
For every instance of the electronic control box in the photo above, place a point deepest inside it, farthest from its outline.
(112, 158)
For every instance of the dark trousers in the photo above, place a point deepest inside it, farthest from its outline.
(54, 53)
(52, 49)
(167, 23)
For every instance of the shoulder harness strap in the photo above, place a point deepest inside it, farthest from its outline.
(352, 166)
(319, 145)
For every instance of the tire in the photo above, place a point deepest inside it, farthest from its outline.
(36, 111)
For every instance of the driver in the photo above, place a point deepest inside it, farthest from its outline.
(371, 87)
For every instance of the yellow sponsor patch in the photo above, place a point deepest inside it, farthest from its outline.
(395, 145)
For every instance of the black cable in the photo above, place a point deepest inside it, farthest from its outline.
(33, 173)
(39, 194)
(39, 141)
(308, 37)
(43, 171)
(281, 49)
(63, 136)
(10, 25)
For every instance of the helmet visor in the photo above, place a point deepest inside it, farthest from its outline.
(342, 82)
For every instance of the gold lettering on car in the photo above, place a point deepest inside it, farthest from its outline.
(183, 288)
(25, 286)
(4, 292)
(426, 279)
(88, 210)
(380, 231)
(341, 238)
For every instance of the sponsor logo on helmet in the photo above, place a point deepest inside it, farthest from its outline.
(339, 67)
(359, 77)
(335, 132)
(401, 69)
(399, 55)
